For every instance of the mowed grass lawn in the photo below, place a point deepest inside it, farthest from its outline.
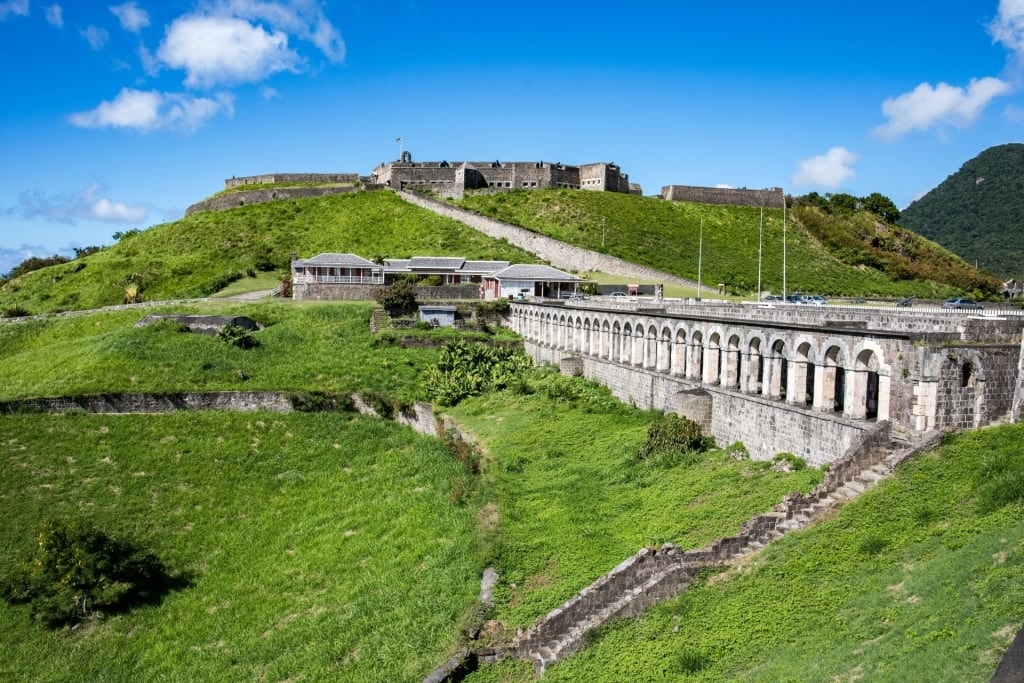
(315, 546)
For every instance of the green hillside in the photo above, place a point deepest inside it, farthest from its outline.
(200, 254)
(667, 236)
(978, 212)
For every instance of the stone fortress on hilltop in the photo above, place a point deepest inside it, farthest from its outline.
(453, 179)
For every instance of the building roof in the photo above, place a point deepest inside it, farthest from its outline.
(536, 273)
(345, 260)
(442, 264)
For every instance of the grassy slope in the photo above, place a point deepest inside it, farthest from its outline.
(318, 347)
(913, 581)
(572, 504)
(199, 254)
(667, 236)
(317, 546)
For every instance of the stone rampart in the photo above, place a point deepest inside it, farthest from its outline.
(244, 401)
(769, 198)
(558, 254)
(233, 200)
(280, 178)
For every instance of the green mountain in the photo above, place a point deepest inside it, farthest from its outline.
(978, 212)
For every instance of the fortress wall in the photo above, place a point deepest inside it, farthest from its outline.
(769, 198)
(558, 254)
(233, 200)
(273, 178)
(765, 426)
(273, 401)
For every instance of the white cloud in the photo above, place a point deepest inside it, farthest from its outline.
(150, 111)
(87, 204)
(131, 17)
(18, 8)
(55, 15)
(304, 19)
(215, 50)
(828, 170)
(150, 64)
(1008, 26)
(927, 107)
(269, 93)
(95, 36)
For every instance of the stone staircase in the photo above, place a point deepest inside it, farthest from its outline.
(379, 319)
(653, 575)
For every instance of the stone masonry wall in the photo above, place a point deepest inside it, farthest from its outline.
(233, 200)
(769, 198)
(273, 178)
(244, 401)
(558, 254)
(765, 426)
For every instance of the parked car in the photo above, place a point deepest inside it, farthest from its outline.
(962, 303)
(813, 300)
(619, 295)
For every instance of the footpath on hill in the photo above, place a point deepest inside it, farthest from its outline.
(558, 254)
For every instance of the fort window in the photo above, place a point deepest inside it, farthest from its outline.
(967, 375)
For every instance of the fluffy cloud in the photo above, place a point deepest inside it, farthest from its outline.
(55, 15)
(150, 111)
(828, 170)
(131, 17)
(18, 8)
(87, 204)
(927, 107)
(95, 36)
(216, 50)
(304, 19)
(1008, 26)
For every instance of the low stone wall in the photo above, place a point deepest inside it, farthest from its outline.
(273, 178)
(558, 254)
(245, 401)
(233, 200)
(728, 196)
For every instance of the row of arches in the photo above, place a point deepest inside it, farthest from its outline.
(833, 375)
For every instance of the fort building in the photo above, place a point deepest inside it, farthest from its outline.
(453, 179)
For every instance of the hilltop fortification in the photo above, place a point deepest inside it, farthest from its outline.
(729, 196)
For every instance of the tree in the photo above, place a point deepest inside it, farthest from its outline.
(881, 206)
(399, 297)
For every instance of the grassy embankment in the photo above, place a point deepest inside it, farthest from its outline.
(922, 578)
(667, 236)
(200, 255)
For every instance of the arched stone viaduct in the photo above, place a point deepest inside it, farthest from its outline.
(787, 379)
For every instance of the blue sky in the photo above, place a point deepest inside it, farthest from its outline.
(119, 115)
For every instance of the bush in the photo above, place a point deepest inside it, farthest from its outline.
(471, 369)
(672, 438)
(16, 312)
(398, 298)
(75, 571)
(239, 336)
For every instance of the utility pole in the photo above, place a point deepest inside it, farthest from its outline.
(760, 241)
(783, 244)
(604, 227)
(700, 255)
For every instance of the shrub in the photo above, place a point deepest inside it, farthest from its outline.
(398, 298)
(239, 336)
(471, 369)
(789, 462)
(671, 438)
(319, 401)
(16, 312)
(75, 571)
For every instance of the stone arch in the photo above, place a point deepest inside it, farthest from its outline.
(831, 394)
(679, 352)
(604, 350)
(867, 391)
(616, 350)
(801, 381)
(664, 360)
(651, 347)
(626, 355)
(587, 337)
(777, 371)
(754, 380)
(713, 359)
(733, 363)
(696, 369)
(406, 157)
(639, 345)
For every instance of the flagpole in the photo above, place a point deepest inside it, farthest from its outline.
(400, 148)
(760, 242)
(783, 244)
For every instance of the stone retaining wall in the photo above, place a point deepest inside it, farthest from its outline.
(245, 401)
(233, 200)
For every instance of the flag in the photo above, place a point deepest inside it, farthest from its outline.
(398, 139)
